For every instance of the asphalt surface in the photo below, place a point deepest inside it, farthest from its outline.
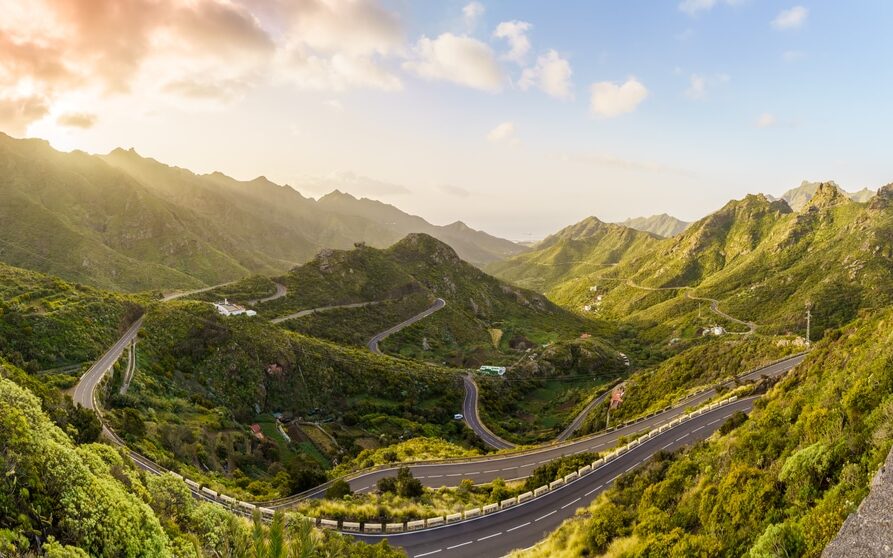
(281, 291)
(473, 418)
(83, 391)
(517, 527)
(714, 307)
(379, 337)
(525, 524)
(181, 294)
(578, 420)
(309, 311)
(519, 465)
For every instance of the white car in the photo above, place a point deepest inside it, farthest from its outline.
(458, 416)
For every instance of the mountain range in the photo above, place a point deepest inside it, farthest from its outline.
(128, 222)
(661, 225)
(800, 196)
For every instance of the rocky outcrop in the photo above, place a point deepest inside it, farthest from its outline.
(868, 532)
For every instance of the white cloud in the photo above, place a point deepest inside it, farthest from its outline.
(458, 59)
(515, 32)
(504, 133)
(552, 74)
(792, 18)
(472, 13)
(766, 120)
(205, 54)
(699, 85)
(610, 99)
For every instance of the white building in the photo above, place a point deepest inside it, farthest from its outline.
(227, 308)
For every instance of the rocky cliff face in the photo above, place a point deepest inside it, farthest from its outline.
(868, 533)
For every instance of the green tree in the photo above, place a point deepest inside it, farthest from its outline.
(780, 540)
(338, 489)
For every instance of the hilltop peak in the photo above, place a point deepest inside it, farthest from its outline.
(828, 194)
(425, 247)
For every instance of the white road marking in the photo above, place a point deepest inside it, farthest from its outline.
(714, 421)
(489, 536)
(593, 490)
(570, 503)
(545, 516)
(492, 471)
(458, 545)
(434, 476)
(454, 475)
(666, 446)
(680, 438)
(696, 429)
(509, 468)
(633, 466)
(517, 527)
(427, 553)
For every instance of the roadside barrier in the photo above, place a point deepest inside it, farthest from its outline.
(557, 484)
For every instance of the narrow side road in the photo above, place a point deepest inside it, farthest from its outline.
(309, 311)
(578, 420)
(379, 337)
(473, 418)
(281, 291)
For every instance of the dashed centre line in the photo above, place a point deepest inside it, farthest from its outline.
(545, 516)
(458, 545)
(517, 527)
(570, 503)
(489, 536)
(427, 553)
(594, 489)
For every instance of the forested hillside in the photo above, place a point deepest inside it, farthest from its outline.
(127, 222)
(484, 319)
(779, 483)
(64, 500)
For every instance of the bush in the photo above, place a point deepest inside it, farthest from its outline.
(338, 490)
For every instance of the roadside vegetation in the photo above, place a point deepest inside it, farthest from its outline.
(204, 379)
(64, 500)
(777, 484)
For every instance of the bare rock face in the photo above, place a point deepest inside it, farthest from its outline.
(868, 532)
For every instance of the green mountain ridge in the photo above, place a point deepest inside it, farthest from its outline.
(126, 222)
(411, 274)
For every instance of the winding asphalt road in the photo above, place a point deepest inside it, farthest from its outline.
(520, 464)
(379, 337)
(309, 311)
(473, 419)
(518, 526)
(525, 524)
(281, 291)
(86, 386)
(578, 420)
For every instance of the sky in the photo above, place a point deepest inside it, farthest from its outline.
(516, 117)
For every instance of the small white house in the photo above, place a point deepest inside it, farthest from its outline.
(227, 308)
(715, 330)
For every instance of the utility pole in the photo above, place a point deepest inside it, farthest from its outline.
(808, 322)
